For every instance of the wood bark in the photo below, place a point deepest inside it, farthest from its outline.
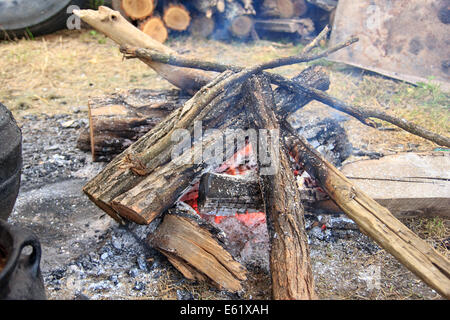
(138, 9)
(177, 17)
(373, 219)
(117, 28)
(196, 249)
(155, 28)
(118, 120)
(290, 265)
(154, 149)
(121, 119)
(228, 195)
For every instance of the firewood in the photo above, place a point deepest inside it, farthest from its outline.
(122, 118)
(202, 26)
(373, 219)
(155, 28)
(240, 24)
(196, 249)
(277, 9)
(177, 17)
(116, 121)
(135, 165)
(116, 27)
(303, 27)
(390, 181)
(138, 9)
(229, 194)
(290, 265)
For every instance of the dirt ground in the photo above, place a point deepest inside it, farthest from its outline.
(48, 80)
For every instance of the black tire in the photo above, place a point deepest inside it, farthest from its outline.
(10, 161)
(39, 20)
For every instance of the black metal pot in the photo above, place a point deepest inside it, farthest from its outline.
(10, 161)
(20, 278)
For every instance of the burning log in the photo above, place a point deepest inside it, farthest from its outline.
(289, 255)
(229, 194)
(155, 28)
(196, 249)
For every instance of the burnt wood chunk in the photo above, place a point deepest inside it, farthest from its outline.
(196, 249)
(223, 194)
(290, 264)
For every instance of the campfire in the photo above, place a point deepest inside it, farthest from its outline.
(255, 181)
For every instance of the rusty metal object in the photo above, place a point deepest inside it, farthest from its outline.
(403, 39)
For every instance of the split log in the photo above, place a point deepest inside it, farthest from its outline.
(155, 28)
(290, 265)
(138, 9)
(177, 17)
(373, 219)
(116, 121)
(303, 27)
(117, 28)
(196, 249)
(277, 9)
(135, 166)
(202, 26)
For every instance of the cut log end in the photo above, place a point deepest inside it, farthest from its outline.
(155, 28)
(241, 26)
(177, 17)
(138, 9)
(202, 27)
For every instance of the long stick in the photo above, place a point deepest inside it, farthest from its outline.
(363, 115)
(372, 218)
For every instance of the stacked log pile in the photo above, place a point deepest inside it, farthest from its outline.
(146, 181)
(225, 18)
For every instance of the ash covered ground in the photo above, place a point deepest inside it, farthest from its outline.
(86, 255)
